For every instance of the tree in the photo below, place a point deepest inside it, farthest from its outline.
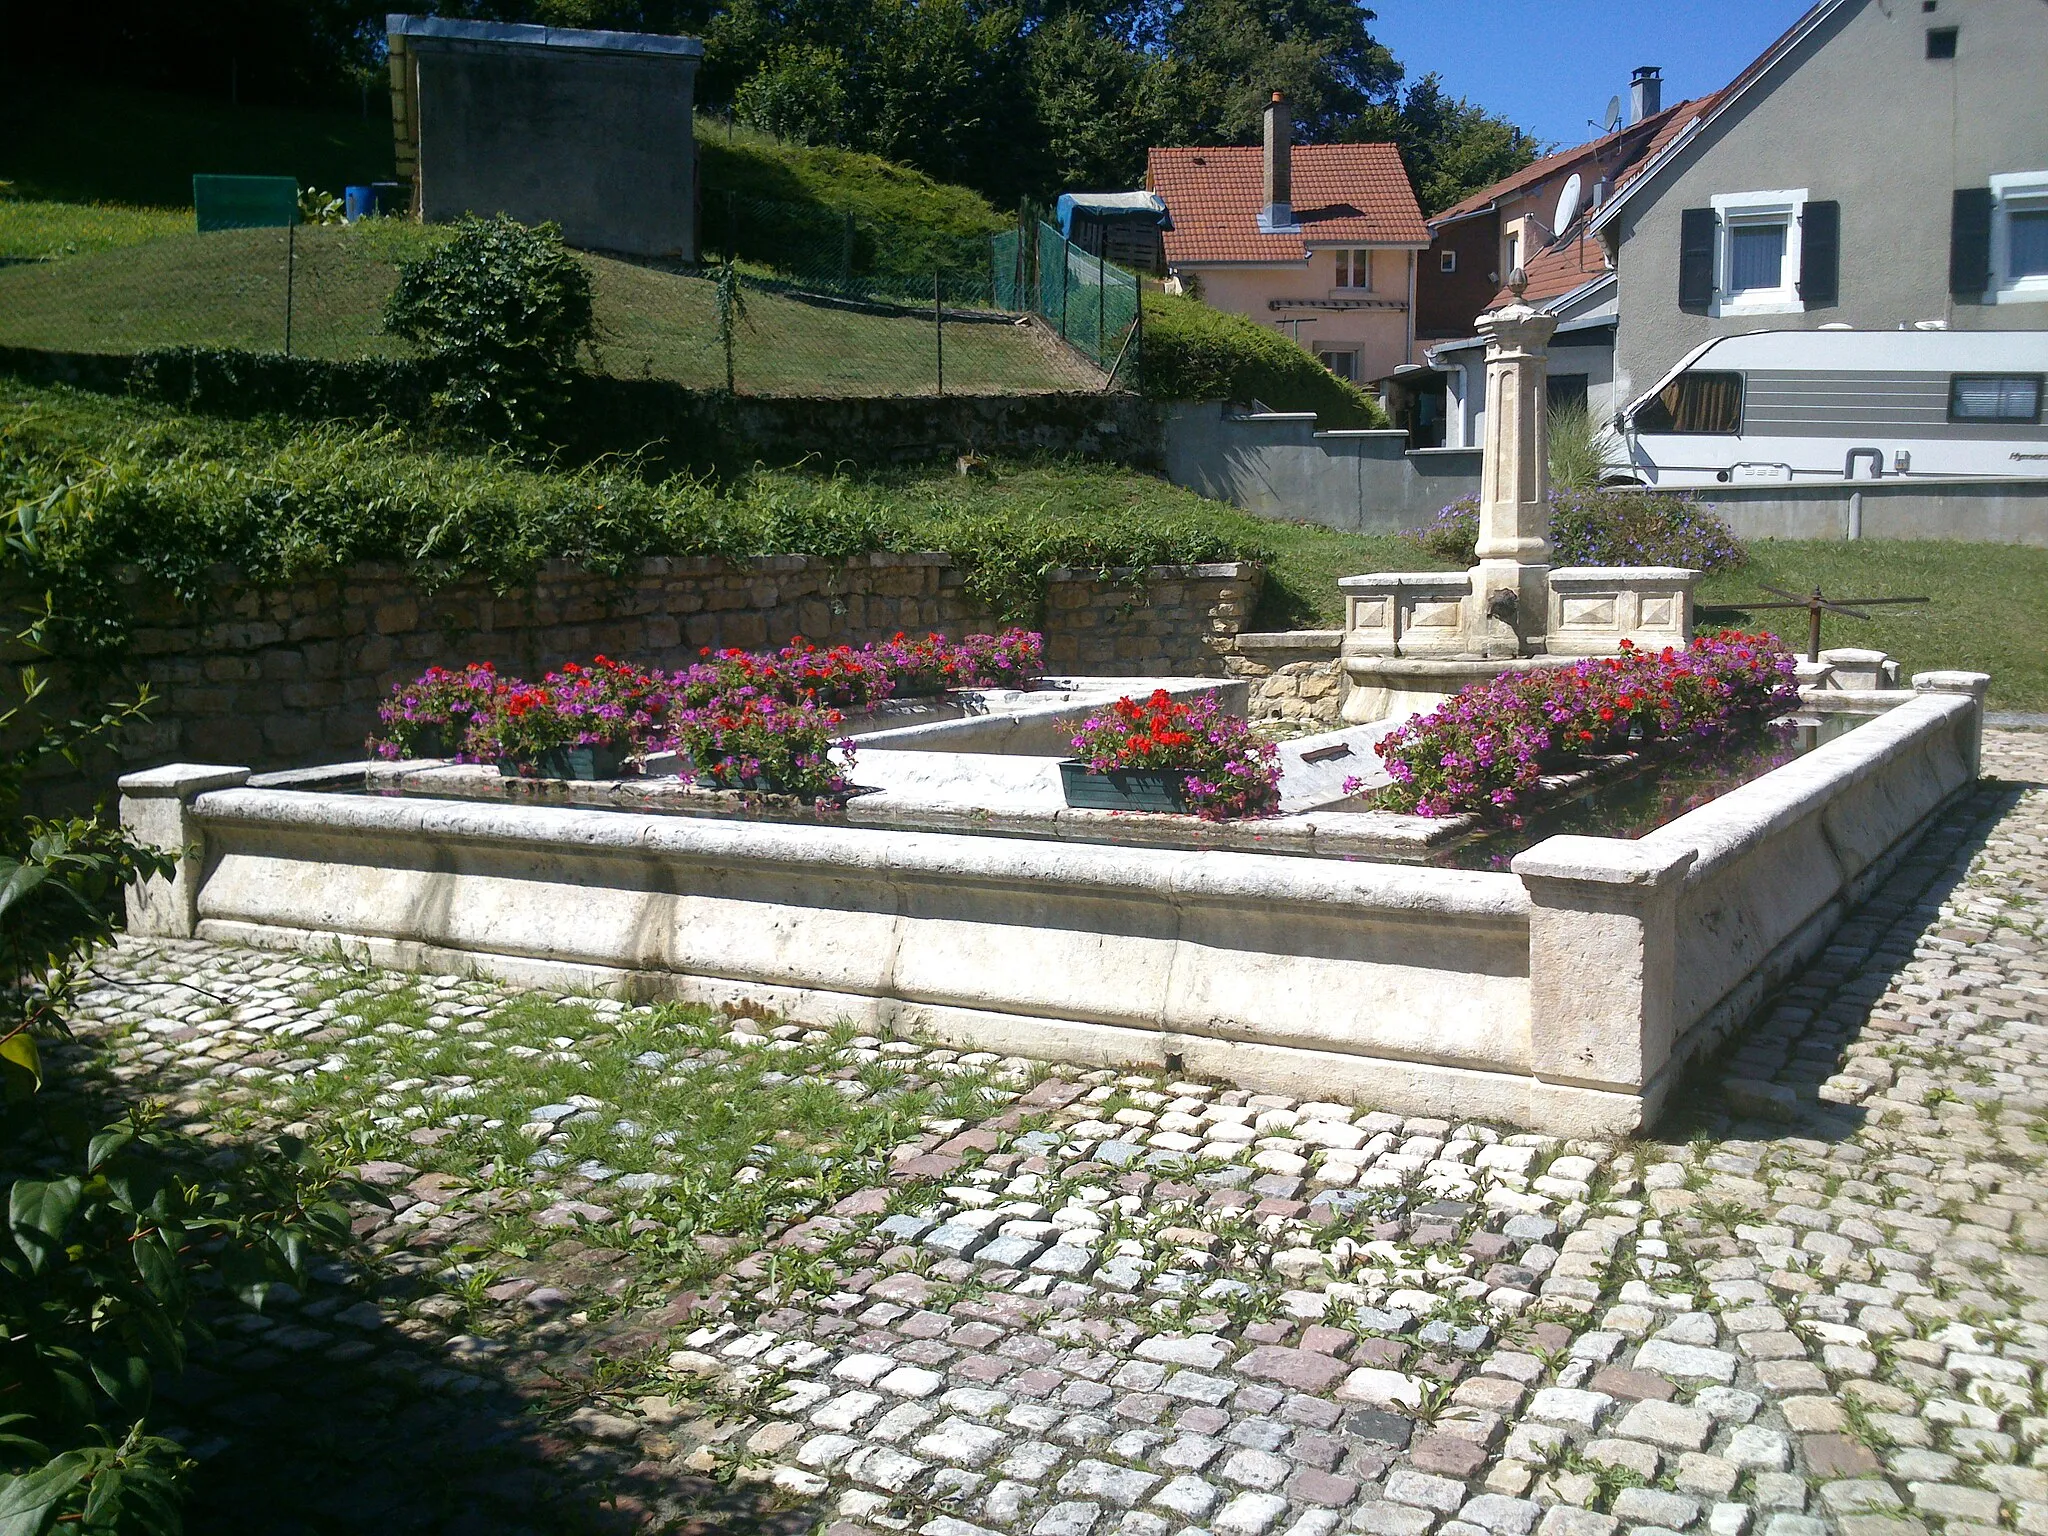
(1093, 114)
(1233, 54)
(1451, 147)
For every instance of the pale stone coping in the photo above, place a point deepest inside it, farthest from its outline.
(1420, 581)
(180, 781)
(1325, 833)
(1622, 575)
(1974, 684)
(1602, 861)
(1201, 875)
(1289, 639)
(1730, 826)
(1473, 669)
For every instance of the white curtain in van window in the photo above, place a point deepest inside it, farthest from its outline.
(1994, 399)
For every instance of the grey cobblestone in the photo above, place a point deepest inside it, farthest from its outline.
(1113, 1308)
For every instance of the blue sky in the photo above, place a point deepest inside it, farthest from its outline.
(1550, 65)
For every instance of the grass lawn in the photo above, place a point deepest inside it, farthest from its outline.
(227, 289)
(35, 230)
(1989, 611)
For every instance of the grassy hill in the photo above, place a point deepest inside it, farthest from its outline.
(227, 289)
(751, 164)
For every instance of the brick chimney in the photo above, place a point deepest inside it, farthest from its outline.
(1645, 93)
(1279, 210)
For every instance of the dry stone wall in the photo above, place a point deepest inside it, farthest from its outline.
(290, 676)
(1294, 674)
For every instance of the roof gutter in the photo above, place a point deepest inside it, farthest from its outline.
(1442, 219)
(1756, 72)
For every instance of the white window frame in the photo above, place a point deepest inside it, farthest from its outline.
(1339, 351)
(1348, 261)
(2028, 188)
(1447, 261)
(1736, 208)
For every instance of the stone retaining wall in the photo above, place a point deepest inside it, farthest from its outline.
(291, 676)
(1294, 674)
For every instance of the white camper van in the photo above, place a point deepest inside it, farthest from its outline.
(1803, 407)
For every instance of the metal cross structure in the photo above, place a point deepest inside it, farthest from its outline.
(1815, 605)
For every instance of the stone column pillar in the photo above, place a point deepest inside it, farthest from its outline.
(1603, 929)
(1510, 603)
(156, 808)
(1973, 684)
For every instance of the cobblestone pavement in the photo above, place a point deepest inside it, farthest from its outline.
(1067, 1303)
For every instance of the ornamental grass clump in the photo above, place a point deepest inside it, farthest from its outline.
(1231, 773)
(1485, 749)
(1594, 527)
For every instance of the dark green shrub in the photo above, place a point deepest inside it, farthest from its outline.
(109, 1235)
(504, 310)
(1619, 527)
(1193, 352)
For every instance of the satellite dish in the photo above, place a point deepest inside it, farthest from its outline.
(1567, 205)
(1613, 113)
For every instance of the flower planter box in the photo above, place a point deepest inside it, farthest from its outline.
(1125, 789)
(584, 762)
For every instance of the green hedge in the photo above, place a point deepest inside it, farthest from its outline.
(1193, 352)
(119, 485)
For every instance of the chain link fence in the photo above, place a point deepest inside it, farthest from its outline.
(790, 299)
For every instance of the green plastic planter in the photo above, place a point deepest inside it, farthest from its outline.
(1125, 789)
(585, 762)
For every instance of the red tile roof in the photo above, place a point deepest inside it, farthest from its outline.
(1559, 269)
(1636, 140)
(1580, 257)
(1355, 194)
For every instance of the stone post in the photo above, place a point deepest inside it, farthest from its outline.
(1509, 608)
(1975, 685)
(1603, 944)
(156, 809)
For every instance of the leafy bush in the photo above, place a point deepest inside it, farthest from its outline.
(1485, 748)
(1193, 352)
(1232, 772)
(1619, 527)
(177, 497)
(505, 310)
(105, 1245)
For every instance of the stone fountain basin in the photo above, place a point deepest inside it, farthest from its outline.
(1567, 994)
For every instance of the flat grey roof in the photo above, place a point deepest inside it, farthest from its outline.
(521, 34)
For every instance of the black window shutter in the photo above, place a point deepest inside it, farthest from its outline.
(1696, 230)
(1969, 243)
(1820, 255)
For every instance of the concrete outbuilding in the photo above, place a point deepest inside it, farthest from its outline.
(593, 130)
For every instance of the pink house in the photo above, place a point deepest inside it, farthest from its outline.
(1317, 240)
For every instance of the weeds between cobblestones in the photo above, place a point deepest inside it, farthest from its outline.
(655, 1266)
